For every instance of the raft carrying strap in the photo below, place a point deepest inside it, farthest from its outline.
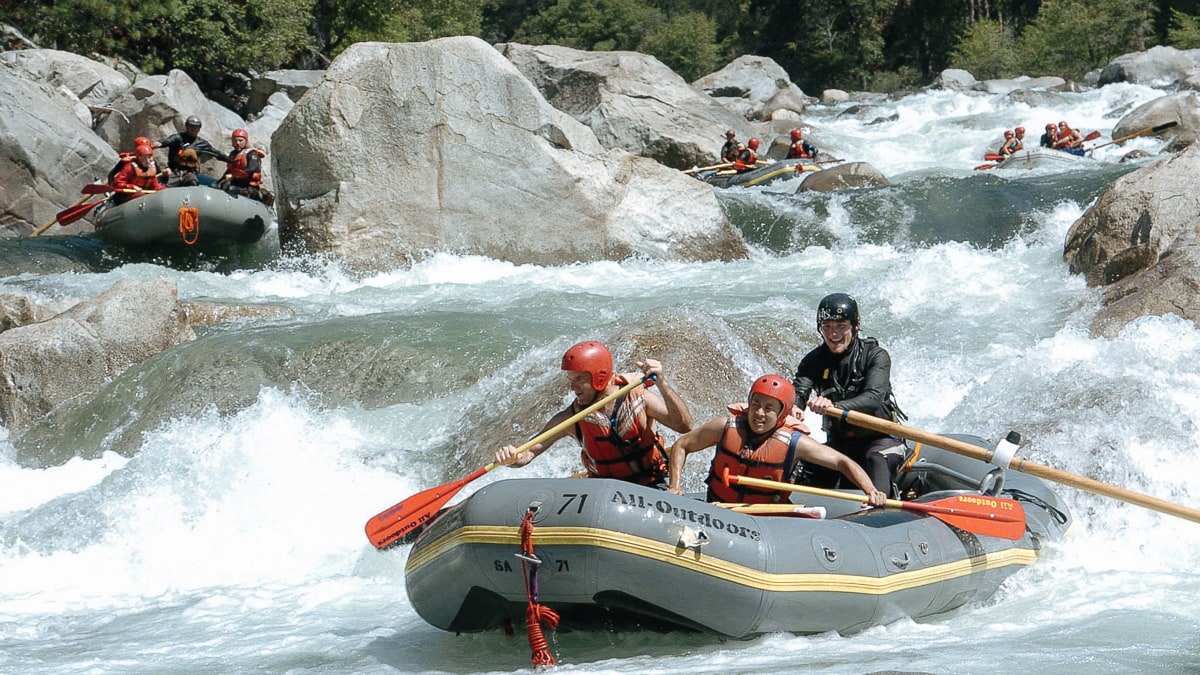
(535, 614)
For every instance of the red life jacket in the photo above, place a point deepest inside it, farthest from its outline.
(746, 159)
(623, 445)
(236, 167)
(796, 151)
(771, 460)
(133, 175)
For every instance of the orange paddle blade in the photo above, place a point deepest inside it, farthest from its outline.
(998, 517)
(984, 167)
(74, 213)
(390, 526)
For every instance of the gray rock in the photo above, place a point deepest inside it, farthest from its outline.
(74, 353)
(48, 153)
(629, 100)
(91, 82)
(1139, 240)
(294, 84)
(1182, 108)
(842, 176)
(1155, 67)
(408, 148)
(755, 87)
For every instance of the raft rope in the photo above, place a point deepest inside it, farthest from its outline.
(535, 614)
(189, 224)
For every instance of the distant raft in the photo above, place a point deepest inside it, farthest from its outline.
(613, 555)
(185, 218)
(787, 168)
(1036, 158)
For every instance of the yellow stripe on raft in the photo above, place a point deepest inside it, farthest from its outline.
(721, 569)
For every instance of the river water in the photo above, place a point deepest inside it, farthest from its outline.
(219, 539)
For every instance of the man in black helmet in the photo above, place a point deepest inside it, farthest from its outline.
(852, 373)
(729, 151)
(188, 138)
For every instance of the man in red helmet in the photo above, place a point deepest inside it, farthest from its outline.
(1069, 139)
(1009, 146)
(800, 147)
(243, 170)
(136, 177)
(761, 439)
(747, 157)
(620, 440)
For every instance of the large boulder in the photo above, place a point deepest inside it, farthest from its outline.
(292, 83)
(1179, 113)
(755, 87)
(444, 145)
(842, 176)
(47, 152)
(92, 82)
(74, 353)
(629, 100)
(1139, 240)
(1155, 67)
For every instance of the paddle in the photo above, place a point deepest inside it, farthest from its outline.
(695, 169)
(985, 167)
(58, 217)
(993, 156)
(74, 213)
(998, 517)
(1144, 132)
(796, 510)
(1016, 463)
(1092, 136)
(387, 527)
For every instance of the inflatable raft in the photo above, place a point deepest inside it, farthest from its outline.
(1036, 158)
(184, 218)
(609, 554)
(787, 168)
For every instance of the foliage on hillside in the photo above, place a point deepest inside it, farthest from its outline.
(851, 44)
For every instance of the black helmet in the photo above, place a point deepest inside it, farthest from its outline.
(192, 121)
(837, 307)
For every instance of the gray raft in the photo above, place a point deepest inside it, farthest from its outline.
(616, 556)
(153, 220)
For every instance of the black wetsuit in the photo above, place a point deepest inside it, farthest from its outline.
(860, 380)
(175, 143)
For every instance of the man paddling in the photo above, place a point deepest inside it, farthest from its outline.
(619, 440)
(853, 373)
(761, 439)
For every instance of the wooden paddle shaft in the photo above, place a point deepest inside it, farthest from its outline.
(573, 419)
(1016, 463)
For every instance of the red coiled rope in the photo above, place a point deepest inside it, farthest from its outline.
(535, 615)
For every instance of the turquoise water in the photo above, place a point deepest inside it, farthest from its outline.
(204, 512)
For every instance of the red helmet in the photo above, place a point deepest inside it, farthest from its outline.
(590, 357)
(778, 388)
(144, 150)
(141, 140)
(1020, 130)
(1063, 125)
(1008, 134)
(795, 134)
(752, 144)
(240, 133)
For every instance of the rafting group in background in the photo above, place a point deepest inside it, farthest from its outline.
(763, 437)
(137, 172)
(744, 157)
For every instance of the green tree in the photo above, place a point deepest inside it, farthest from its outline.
(1184, 32)
(987, 51)
(1071, 37)
(590, 24)
(686, 43)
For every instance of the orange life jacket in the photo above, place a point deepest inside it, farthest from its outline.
(746, 159)
(623, 445)
(236, 167)
(796, 151)
(772, 459)
(147, 179)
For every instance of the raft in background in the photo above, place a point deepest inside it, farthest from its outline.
(187, 218)
(1039, 157)
(786, 168)
(617, 555)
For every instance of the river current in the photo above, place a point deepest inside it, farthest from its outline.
(231, 541)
